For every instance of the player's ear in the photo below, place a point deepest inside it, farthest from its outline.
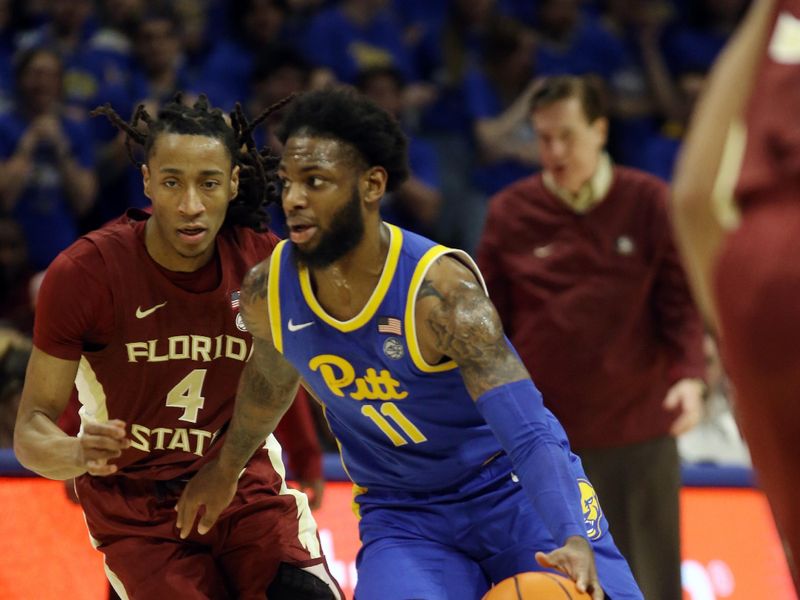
(600, 127)
(146, 180)
(234, 182)
(373, 184)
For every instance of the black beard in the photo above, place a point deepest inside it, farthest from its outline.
(344, 233)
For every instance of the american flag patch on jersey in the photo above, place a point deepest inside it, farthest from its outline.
(389, 325)
(235, 299)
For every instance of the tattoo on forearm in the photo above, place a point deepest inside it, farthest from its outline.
(254, 285)
(254, 300)
(467, 329)
(262, 398)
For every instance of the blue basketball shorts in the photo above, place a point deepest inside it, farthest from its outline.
(454, 546)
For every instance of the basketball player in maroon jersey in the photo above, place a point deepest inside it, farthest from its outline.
(744, 143)
(142, 315)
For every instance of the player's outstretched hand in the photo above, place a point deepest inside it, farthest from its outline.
(100, 442)
(576, 560)
(212, 489)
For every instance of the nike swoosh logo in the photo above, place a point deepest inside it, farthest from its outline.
(141, 314)
(293, 327)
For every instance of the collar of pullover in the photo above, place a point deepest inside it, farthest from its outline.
(591, 193)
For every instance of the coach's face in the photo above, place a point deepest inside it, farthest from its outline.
(190, 181)
(329, 194)
(569, 145)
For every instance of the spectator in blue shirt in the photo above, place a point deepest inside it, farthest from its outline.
(497, 96)
(117, 19)
(207, 58)
(275, 76)
(47, 181)
(6, 53)
(572, 42)
(642, 91)
(660, 151)
(155, 78)
(356, 35)
(694, 43)
(261, 29)
(416, 204)
(68, 30)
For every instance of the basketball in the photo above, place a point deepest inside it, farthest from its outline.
(536, 586)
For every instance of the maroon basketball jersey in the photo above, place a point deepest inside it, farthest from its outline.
(172, 365)
(772, 156)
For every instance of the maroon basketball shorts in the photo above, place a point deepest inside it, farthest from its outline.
(133, 523)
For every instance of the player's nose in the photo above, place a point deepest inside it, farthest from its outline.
(293, 198)
(191, 202)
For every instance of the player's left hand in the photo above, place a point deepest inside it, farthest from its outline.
(212, 488)
(685, 396)
(576, 560)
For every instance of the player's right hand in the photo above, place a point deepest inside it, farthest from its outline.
(99, 443)
(212, 488)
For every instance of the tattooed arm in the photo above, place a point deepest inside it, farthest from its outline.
(455, 319)
(268, 383)
(267, 386)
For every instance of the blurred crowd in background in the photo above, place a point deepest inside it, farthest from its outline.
(458, 74)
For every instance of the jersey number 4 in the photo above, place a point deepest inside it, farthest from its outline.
(390, 410)
(188, 395)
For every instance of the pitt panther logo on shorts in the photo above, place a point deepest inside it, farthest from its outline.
(592, 513)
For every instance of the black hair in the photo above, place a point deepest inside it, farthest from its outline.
(281, 57)
(157, 12)
(502, 39)
(258, 184)
(24, 58)
(239, 10)
(366, 76)
(349, 117)
(700, 16)
(588, 89)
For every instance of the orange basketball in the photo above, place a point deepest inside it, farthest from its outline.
(536, 586)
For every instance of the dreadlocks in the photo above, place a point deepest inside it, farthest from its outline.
(258, 185)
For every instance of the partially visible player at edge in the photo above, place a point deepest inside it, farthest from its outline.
(142, 315)
(743, 264)
(430, 404)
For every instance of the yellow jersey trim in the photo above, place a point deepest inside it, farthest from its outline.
(371, 307)
(274, 296)
(423, 265)
(356, 507)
